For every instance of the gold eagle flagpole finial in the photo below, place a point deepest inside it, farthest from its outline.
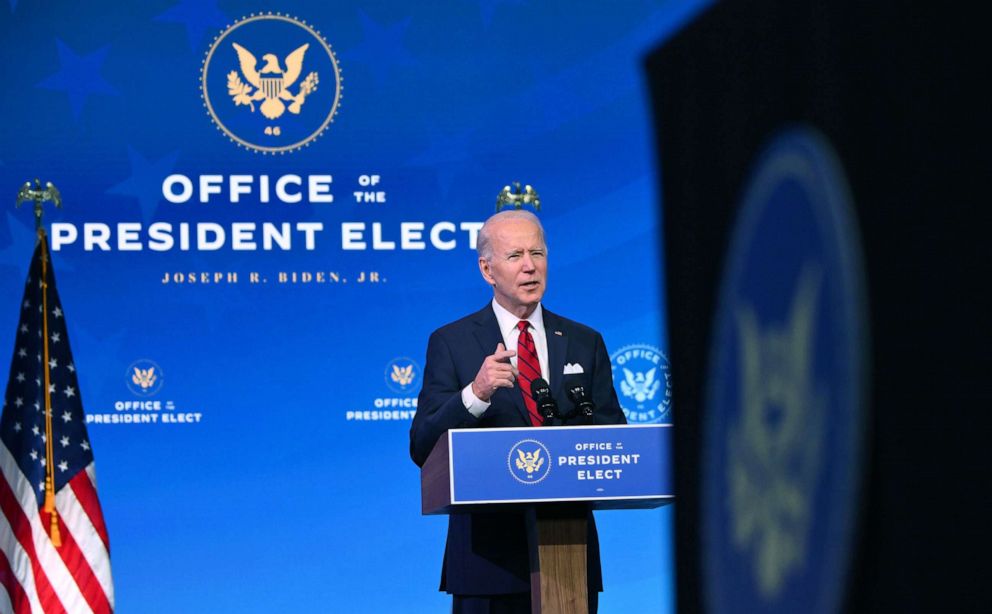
(40, 196)
(518, 197)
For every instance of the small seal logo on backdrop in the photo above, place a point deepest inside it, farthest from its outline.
(402, 374)
(271, 83)
(144, 378)
(641, 376)
(529, 461)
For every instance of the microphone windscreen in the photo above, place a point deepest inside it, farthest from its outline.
(575, 388)
(539, 388)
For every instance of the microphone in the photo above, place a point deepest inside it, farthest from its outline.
(583, 402)
(546, 406)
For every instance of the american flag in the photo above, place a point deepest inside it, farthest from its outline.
(51, 562)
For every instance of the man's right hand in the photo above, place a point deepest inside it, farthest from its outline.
(496, 372)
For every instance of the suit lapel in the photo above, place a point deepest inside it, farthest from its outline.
(557, 351)
(487, 331)
(488, 335)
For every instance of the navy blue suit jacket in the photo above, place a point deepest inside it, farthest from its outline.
(486, 553)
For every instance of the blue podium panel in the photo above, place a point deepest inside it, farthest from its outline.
(608, 466)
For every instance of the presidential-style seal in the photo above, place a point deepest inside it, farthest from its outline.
(144, 378)
(784, 413)
(529, 461)
(271, 83)
(402, 375)
(642, 378)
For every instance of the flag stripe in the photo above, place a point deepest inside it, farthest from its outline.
(85, 491)
(85, 535)
(53, 570)
(12, 591)
(23, 535)
(80, 569)
(6, 605)
(22, 598)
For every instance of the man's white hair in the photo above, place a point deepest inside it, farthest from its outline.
(484, 244)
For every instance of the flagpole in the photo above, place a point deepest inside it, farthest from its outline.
(39, 196)
(49, 450)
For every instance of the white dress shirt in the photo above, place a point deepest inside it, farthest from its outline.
(511, 334)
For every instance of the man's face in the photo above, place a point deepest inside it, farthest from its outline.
(519, 266)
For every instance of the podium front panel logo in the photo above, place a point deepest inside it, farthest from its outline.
(529, 461)
(271, 83)
(783, 425)
(643, 382)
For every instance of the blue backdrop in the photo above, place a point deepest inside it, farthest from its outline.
(266, 468)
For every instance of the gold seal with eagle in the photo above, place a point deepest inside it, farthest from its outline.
(271, 83)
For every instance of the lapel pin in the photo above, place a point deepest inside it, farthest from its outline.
(559, 333)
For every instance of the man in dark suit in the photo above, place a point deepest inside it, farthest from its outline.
(477, 375)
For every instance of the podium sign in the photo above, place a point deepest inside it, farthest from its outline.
(624, 466)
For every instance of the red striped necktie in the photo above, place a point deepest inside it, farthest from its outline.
(528, 370)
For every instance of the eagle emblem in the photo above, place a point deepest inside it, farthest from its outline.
(774, 449)
(49, 194)
(641, 386)
(145, 378)
(529, 462)
(35, 193)
(402, 375)
(270, 84)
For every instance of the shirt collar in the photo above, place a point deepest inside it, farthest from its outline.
(507, 321)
